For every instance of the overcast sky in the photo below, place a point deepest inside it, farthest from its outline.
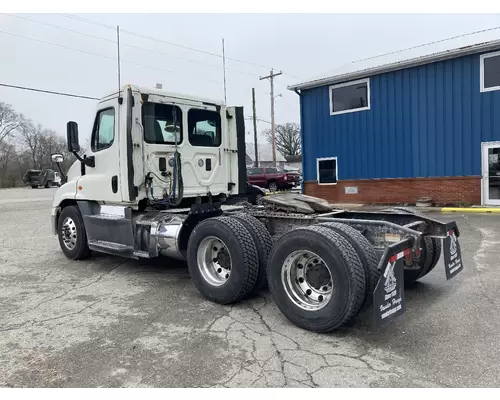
(302, 46)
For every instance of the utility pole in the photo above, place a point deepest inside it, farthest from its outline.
(255, 129)
(271, 77)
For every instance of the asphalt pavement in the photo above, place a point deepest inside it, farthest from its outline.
(113, 322)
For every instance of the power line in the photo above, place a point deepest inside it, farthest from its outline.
(258, 119)
(103, 56)
(127, 45)
(49, 92)
(427, 44)
(89, 21)
(55, 44)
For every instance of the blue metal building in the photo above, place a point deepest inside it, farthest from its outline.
(395, 130)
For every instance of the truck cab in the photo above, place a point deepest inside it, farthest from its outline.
(136, 141)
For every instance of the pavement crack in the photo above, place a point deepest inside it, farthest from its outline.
(273, 343)
(67, 315)
(35, 321)
(79, 287)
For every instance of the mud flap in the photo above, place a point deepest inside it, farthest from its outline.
(388, 296)
(452, 255)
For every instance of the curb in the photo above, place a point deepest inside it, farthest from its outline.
(478, 210)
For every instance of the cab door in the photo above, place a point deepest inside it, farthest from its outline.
(102, 183)
(205, 156)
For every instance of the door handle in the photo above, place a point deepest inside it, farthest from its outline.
(114, 184)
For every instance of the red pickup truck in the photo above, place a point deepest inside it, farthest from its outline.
(273, 178)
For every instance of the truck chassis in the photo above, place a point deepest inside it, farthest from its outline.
(322, 265)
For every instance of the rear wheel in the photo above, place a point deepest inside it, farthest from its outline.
(272, 186)
(366, 252)
(429, 255)
(316, 278)
(437, 244)
(72, 235)
(263, 243)
(222, 260)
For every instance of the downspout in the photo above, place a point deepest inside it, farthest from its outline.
(299, 93)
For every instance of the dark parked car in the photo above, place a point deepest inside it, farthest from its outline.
(45, 177)
(273, 178)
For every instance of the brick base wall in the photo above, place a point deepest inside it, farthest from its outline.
(443, 191)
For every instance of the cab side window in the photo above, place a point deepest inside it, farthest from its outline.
(204, 128)
(103, 134)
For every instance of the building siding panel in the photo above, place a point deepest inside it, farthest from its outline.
(426, 121)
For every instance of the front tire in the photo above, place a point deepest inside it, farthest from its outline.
(72, 235)
(222, 260)
(272, 186)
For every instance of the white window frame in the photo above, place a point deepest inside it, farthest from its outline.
(336, 170)
(351, 83)
(481, 74)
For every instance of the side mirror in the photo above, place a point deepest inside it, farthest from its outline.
(72, 137)
(57, 158)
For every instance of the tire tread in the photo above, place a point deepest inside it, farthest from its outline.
(355, 269)
(367, 254)
(250, 258)
(263, 242)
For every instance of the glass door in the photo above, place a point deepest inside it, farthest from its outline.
(491, 173)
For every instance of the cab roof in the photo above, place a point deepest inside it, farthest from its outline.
(165, 93)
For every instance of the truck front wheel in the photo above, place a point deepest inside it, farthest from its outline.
(222, 260)
(72, 235)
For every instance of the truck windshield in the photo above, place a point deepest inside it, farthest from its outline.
(162, 123)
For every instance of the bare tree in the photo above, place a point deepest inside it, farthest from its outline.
(26, 145)
(8, 157)
(288, 141)
(10, 121)
(31, 136)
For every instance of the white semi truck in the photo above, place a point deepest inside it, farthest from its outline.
(166, 176)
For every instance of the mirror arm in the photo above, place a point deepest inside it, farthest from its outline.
(63, 176)
(88, 161)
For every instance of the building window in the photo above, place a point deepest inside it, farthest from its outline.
(327, 171)
(490, 72)
(350, 97)
(104, 130)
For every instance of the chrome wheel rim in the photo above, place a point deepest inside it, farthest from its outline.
(307, 280)
(68, 232)
(214, 261)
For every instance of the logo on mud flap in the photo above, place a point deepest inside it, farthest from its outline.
(453, 244)
(390, 280)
